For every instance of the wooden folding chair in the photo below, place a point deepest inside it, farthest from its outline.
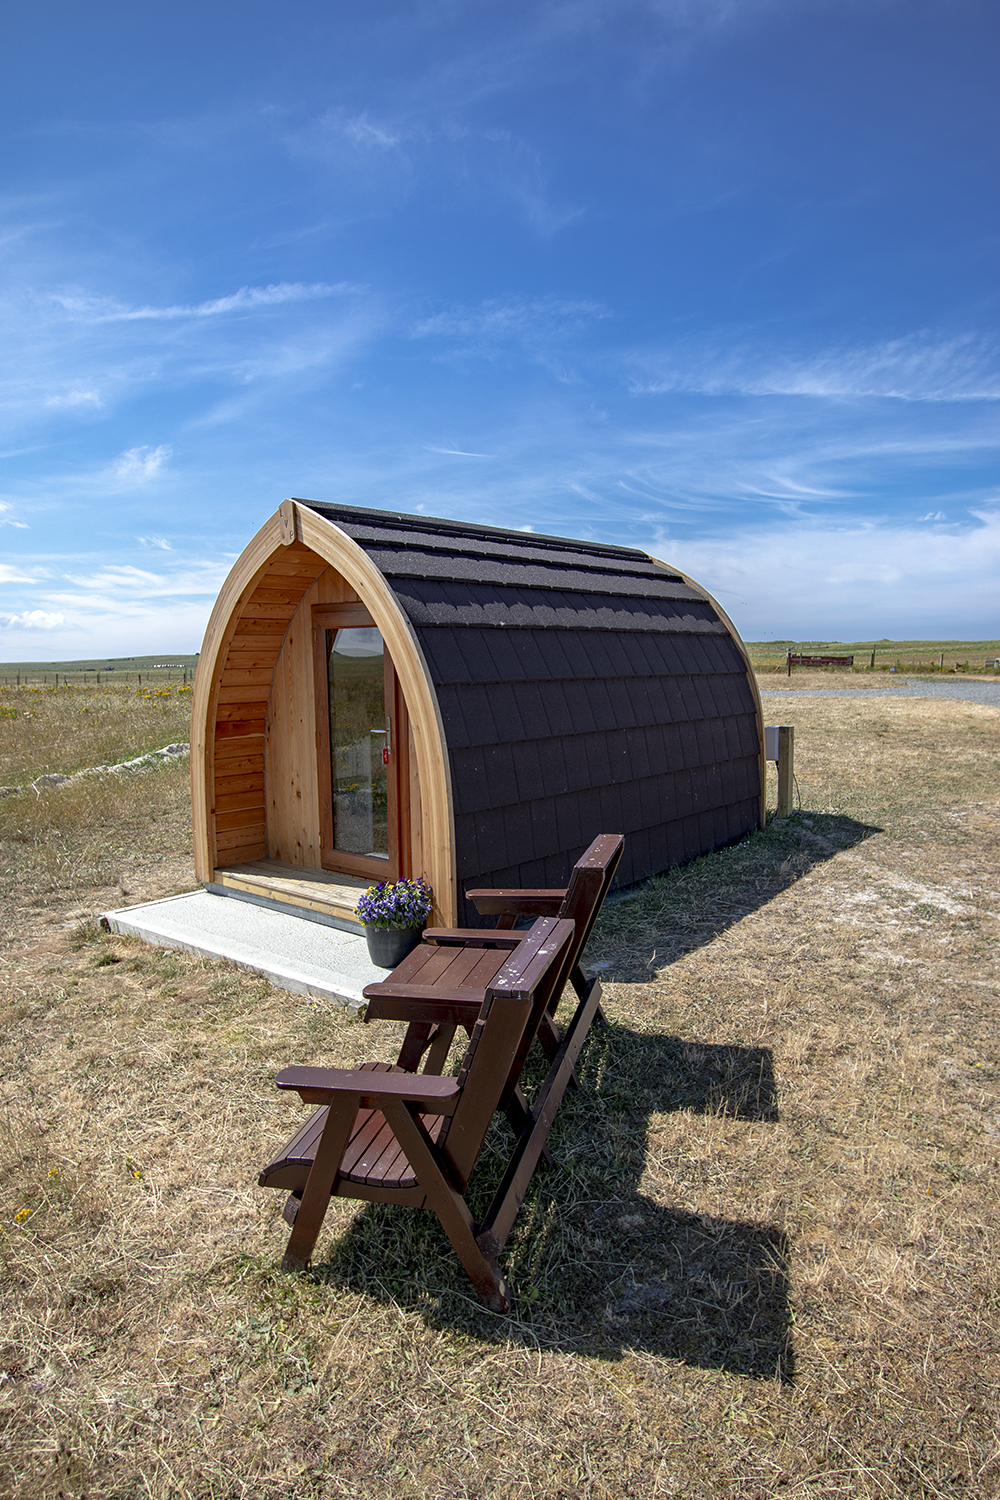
(388, 1136)
(436, 989)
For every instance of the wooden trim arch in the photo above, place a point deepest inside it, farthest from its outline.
(233, 684)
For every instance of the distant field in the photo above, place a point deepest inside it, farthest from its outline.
(767, 656)
(924, 656)
(166, 667)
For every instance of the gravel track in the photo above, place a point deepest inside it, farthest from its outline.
(987, 693)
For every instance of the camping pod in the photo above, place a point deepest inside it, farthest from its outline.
(383, 695)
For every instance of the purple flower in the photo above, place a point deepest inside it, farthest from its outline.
(407, 903)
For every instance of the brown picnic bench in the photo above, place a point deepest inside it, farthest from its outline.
(446, 983)
(387, 1135)
(472, 955)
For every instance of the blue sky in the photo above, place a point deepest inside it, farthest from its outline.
(714, 278)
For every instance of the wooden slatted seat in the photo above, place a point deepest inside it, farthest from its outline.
(388, 1135)
(372, 1153)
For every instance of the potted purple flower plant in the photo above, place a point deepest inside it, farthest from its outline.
(394, 914)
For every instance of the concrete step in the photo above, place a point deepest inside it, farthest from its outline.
(305, 957)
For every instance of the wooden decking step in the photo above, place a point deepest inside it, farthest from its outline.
(318, 895)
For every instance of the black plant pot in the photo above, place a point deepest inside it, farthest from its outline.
(388, 946)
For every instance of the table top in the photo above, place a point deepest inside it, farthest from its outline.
(449, 966)
(448, 975)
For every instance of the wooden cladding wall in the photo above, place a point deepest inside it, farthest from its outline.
(293, 818)
(244, 687)
(290, 763)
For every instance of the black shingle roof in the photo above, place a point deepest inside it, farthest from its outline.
(583, 688)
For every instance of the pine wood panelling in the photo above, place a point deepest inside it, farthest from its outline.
(230, 699)
(254, 712)
(225, 786)
(248, 798)
(245, 692)
(234, 849)
(290, 777)
(313, 890)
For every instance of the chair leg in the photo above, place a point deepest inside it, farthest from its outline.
(519, 1114)
(437, 1053)
(510, 1194)
(550, 1041)
(583, 987)
(449, 1205)
(414, 1043)
(319, 1184)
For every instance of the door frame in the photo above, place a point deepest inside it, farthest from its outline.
(343, 617)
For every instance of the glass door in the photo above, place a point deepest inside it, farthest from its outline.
(357, 722)
(359, 737)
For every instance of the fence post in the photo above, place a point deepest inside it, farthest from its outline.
(786, 769)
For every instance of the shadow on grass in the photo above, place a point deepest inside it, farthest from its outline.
(595, 1266)
(644, 929)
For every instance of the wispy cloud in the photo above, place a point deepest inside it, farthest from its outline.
(365, 132)
(77, 357)
(124, 581)
(155, 541)
(12, 574)
(883, 578)
(6, 520)
(107, 310)
(500, 320)
(141, 464)
(546, 330)
(115, 608)
(918, 367)
(75, 398)
(455, 452)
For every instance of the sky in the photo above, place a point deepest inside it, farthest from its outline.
(712, 278)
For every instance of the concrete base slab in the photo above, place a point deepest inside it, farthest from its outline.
(303, 957)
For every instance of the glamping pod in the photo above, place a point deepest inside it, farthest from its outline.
(381, 695)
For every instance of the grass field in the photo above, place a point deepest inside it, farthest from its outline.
(922, 656)
(764, 1264)
(131, 670)
(69, 728)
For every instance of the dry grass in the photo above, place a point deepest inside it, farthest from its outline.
(67, 729)
(765, 1264)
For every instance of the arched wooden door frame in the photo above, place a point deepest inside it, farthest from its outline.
(333, 547)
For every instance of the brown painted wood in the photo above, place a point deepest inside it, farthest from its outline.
(387, 1135)
(517, 903)
(414, 981)
(475, 937)
(502, 1212)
